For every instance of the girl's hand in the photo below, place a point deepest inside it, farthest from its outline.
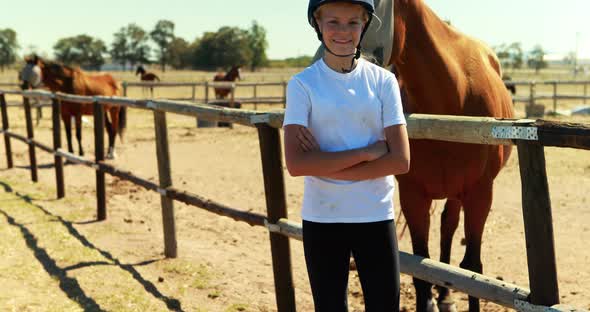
(376, 150)
(307, 141)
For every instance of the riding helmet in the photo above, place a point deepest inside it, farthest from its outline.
(369, 5)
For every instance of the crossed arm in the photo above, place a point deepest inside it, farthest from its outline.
(304, 157)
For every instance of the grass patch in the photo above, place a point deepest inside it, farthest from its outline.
(198, 274)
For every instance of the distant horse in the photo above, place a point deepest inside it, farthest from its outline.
(70, 80)
(30, 78)
(231, 75)
(509, 85)
(147, 76)
(442, 71)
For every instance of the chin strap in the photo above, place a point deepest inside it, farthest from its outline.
(357, 53)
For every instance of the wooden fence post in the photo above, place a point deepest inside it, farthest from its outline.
(30, 137)
(101, 206)
(56, 129)
(5, 127)
(531, 103)
(585, 91)
(538, 224)
(276, 206)
(164, 172)
(255, 96)
(194, 93)
(206, 100)
(232, 95)
(125, 88)
(554, 97)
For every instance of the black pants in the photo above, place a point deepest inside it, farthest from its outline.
(373, 245)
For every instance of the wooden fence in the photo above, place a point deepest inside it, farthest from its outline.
(531, 99)
(533, 96)
(529, 135)
(207, 86)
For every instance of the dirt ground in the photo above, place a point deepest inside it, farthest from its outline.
(54, 256)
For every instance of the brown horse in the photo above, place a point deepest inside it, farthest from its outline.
(442, 71)
(231, 75)
(147, 76)
(70, 80)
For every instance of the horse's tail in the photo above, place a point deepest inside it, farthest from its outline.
(122, 121)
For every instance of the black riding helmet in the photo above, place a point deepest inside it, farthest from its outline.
(369, 5)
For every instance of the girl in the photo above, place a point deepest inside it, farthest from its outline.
(345, 132)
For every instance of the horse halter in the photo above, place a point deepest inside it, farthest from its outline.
(31, 76)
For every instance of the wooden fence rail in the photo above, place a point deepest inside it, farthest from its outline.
(529, 135)
(531, 99)
(218, 84)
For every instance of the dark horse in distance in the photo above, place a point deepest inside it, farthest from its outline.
(147, 76)
(231, 75)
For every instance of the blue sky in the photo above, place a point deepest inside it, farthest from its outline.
(555, 25)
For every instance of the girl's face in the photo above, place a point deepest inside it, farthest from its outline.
(341, 25)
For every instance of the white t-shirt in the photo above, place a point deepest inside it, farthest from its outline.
(343, 112)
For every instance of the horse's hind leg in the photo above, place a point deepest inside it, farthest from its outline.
(476, 206)
(448, 224)
(112, 131)
(416, 208)
(79, 133)
(67, 119)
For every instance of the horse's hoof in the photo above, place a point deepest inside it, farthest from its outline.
(431, 305)
(111, 155)
(447, 307)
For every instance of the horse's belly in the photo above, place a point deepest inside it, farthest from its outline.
(448, 170)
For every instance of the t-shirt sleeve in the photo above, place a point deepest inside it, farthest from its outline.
(393, 113)
(298, 104)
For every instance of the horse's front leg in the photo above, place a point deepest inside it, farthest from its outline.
(449, 221)
(79, 133)
(476, 206)
(416, 208)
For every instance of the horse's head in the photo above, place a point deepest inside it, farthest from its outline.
(30, 75)
(140, 70)
(234, 73)
(56, 76)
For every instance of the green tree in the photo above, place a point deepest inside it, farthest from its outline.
(300, 61)
(516, 55)
(163, 35)
(130, 46)
(8, 47)
(179, 53)
(227, 47)
(82, 50)
(511, 55)
(258, 45)
(120, 48)
(536, 59)
(139, 50)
